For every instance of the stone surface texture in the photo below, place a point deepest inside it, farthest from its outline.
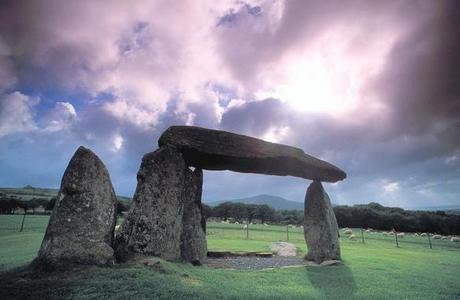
(165, 219)
(320, 226)
(193, 239)
(154, 223)
(81, 226)
(284, 249)
(220, 150)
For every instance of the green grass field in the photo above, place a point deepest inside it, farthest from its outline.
(373, 270)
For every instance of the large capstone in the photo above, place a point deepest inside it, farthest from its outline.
(220, 150)
(81, 226)
(193, 240)
(320, 225)
(155, 222)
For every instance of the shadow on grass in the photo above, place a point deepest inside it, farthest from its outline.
(24, 283)
(333, 282)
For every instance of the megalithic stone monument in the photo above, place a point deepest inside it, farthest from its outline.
(165, 217)
(320, 225)
(81, 226)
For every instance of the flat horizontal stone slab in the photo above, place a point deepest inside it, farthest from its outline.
(220, 150)
(225, 253)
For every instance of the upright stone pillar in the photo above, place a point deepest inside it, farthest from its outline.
(154, 223)
(81, 226)
(193, 240)
(320, 225)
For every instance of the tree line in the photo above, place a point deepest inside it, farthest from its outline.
(9, 204)
(250, 212)
(372, 215)
(376, 216)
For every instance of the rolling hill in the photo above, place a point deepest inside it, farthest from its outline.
(273, 201)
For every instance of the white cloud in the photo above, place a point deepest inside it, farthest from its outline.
(117, 143)
(451, 159)
(60, 117)
(276, 134)
(16, 113)
(391, 187)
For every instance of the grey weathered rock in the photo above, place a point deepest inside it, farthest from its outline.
(193, 239)
(221, 150)
(320, 226)
(284, 249)
(154, 223)
(81, 227)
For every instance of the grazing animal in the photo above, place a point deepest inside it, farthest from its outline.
(348, 231)
(245, 226)
(436, 237)
(423, 234)
(352, 237)
(455, 239)
(385, 233)
(401, 235)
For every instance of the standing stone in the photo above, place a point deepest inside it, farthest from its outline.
(320, 226)
(81, 226)
(193, 240)
(154, 223)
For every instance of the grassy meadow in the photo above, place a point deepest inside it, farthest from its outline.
(375, 269)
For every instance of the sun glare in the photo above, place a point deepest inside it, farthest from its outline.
(329, 76)
(311, 86)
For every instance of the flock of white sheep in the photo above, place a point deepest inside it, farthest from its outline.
(401, 235)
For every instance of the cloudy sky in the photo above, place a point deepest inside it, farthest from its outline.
(371, 86)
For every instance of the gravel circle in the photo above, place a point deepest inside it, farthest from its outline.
(253, 263)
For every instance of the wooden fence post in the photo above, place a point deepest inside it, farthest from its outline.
(396, 238)
(429, 240)
(362, 235)
(287, 232)
(247, 230)
(22, 224)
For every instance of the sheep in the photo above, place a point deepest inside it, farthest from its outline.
(352, 237)
(444, 238)
(455, 239)
(423, 234)
(401, 235)
(436, 237)
(348, 231)
(384, 233)
(265, 224)
(237, 223)
(245, 226)
(368, 230)
(117, 230)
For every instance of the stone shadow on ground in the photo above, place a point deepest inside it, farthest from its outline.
(329, 280)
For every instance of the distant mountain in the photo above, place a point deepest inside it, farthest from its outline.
(273, 201)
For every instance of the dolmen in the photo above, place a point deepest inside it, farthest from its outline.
(166, 218)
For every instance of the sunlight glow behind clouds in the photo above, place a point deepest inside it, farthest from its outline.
(364, 84)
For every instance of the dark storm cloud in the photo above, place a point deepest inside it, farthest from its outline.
(167, 64)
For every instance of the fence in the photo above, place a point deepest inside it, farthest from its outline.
(296, 234)
(260, 232)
